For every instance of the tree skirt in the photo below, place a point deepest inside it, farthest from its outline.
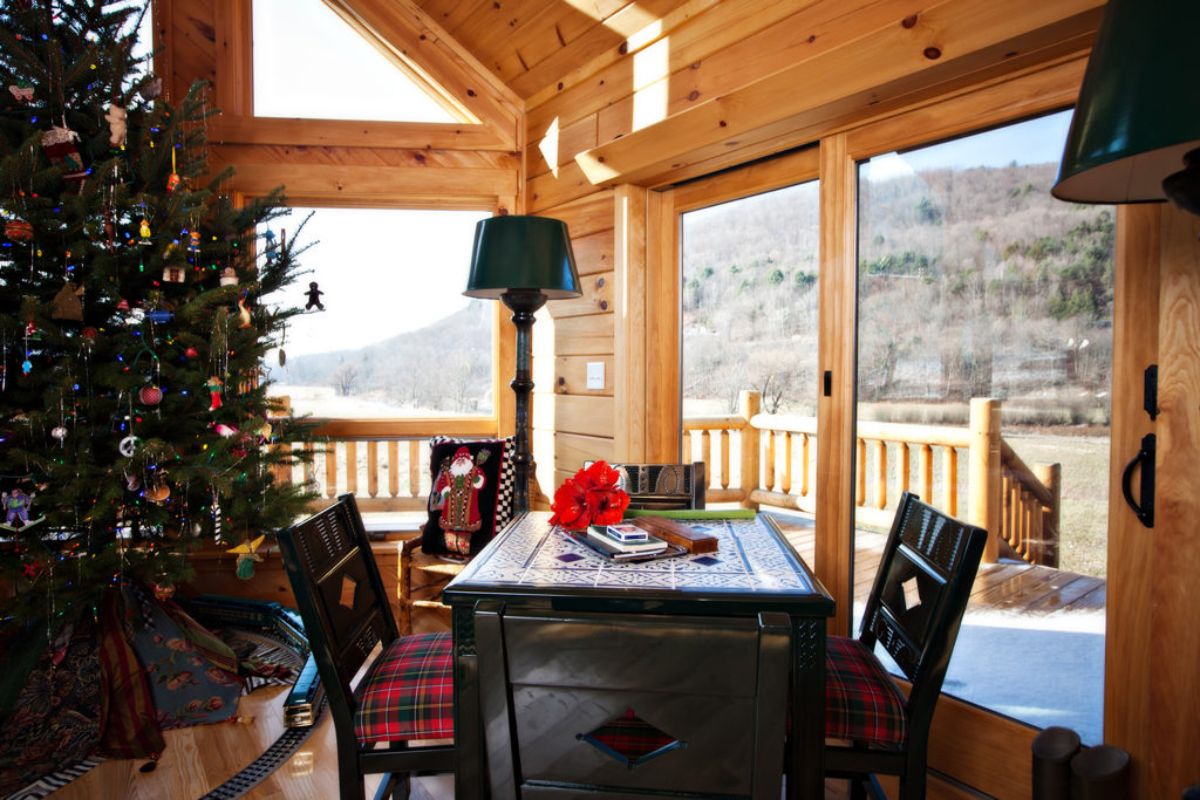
(66, 682)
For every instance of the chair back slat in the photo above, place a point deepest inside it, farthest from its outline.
(666, 487)
(340, 594)
(921, 590)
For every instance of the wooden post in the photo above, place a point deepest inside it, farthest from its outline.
(1051, 477)
(749, 404)
(984, 472)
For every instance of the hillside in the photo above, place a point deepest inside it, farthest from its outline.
(444, 367)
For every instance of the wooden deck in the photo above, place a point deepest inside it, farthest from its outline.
(1010, 586)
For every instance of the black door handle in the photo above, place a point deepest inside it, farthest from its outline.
(1144, 506)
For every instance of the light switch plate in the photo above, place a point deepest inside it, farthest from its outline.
(595, 375)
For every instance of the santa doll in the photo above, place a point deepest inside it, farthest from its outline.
(456, 495)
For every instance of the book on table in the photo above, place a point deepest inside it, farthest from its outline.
(647, 545)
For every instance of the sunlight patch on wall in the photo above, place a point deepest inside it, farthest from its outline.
(548, 147)
(650, 67)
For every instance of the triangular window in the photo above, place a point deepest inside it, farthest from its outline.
(310, 63)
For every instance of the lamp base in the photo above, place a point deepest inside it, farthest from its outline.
(523, 303)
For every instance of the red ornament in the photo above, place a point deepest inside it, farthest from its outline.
(192, 352)
(173, 182)
(122, 304)
(150, 395)
(18, 230)
(90, 333)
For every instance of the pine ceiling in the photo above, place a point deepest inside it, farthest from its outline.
(529, 43)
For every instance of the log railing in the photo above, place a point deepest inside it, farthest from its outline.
(384, 462)
(776, 456)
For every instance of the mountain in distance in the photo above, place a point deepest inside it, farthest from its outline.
(443, 366)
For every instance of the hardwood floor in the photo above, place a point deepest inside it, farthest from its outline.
(199, 759)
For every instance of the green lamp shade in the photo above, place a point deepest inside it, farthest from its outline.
(522, 252)
(1139, 107)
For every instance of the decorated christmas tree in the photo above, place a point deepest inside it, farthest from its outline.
(134, 423)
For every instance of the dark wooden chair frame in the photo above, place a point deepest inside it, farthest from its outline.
(645, 496)
(943, 555)
(320, 553)
(709, 659)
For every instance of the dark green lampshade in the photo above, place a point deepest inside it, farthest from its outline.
(1139, 107)
(522, 252)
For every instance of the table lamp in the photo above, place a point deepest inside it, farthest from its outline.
(1135, 136)
(522, 261)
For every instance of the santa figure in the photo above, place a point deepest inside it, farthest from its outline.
(456, 495)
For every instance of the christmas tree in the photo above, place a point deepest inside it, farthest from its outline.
(134, 422)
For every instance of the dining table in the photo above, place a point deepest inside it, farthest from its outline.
(534, 565)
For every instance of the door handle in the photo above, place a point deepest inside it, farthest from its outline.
(1143, 507)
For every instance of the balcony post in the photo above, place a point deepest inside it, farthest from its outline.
(983, 476)
(749, 404)
(1051, 477)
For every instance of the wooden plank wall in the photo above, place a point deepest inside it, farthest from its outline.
(333, 162)
(582, 419)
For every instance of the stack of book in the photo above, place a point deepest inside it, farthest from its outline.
(624, 541)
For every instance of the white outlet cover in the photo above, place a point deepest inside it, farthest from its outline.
(595, 375)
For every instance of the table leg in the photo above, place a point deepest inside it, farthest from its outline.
(806, 740)
(468, 736)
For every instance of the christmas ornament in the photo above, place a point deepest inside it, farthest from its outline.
(172, 179)
(68, 303)
(128, 446)
(117, 128)
(89, 333)
(22, 92)
(132, 482)
(269, 238)
(110, 228)
(160, 316)
(18, 230)
(229, 277)
(144, 233)
(243, 313)
(59, 433)
(150, 395)
(17, 505)
(191, 352)
(151, 90)
(59, 144)
(174, 274)
(214, 392)
(194, 242)
(314, 297)
(247, 556)
(158, 493)
(122, 304)
(226, 431)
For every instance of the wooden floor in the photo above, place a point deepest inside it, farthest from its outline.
(199, 759)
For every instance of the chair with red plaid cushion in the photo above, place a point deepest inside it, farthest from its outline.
(406, 695)
(913, 612)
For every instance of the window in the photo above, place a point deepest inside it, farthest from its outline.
(309, 63)
(396, 337)
(974, 283)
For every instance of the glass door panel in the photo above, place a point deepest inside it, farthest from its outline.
(978, 289)
(749, 317)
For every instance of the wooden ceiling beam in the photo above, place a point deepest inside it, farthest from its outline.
(230, 129)
(950, 39)
(435, 58)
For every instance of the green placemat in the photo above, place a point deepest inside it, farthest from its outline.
(695, 513)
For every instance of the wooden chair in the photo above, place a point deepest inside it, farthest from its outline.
(407, 694)
(634, 706)
(664, 486)
(914, 611)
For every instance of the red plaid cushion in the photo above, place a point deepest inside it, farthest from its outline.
(408, 693)
(861, 702)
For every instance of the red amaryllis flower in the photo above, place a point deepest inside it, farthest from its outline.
(592, 497)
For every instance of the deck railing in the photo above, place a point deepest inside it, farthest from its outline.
(384, 462)
(776, 457)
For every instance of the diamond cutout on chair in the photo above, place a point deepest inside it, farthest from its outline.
(349, 591)
(631, 740)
